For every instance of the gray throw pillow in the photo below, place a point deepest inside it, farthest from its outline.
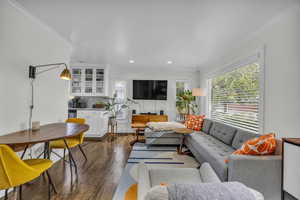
(242, 136)
(207, 123)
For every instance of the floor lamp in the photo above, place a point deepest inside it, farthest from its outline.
(33, 72)
(197, 93)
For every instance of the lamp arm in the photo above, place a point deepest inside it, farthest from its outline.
(47, 65)
(33, 69)
(40, 72)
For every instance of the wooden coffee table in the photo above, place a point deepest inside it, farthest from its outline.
(183, 132)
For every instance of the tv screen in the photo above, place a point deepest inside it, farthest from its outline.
(150, 89)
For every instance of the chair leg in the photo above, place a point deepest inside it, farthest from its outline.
(49, 190)
(64, 154)
(20, 192)
(50, 151)
(71, 171)
(6, 195)
(71, 158)
(80, 148)
(50, 185)
(24, 152)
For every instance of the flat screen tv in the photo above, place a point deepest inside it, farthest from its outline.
(150, 89)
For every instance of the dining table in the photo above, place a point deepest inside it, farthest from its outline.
(45, 134)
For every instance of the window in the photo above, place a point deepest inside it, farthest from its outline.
(121, 96)
(120, 91)
(181, 86)
(235, 97)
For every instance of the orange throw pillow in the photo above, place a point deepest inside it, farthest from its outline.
(194, 122)
(263, 145)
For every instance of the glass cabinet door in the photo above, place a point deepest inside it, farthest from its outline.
(76, 81)
(88, 86)
(99, 81)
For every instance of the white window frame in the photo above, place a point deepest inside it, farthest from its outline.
(257, 57)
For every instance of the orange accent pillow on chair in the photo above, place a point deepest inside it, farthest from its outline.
(194, 122)
(263, 145)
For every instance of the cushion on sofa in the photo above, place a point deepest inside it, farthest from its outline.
(207, 123)
(263, 145)
(223, 132)
(170, 176)
(194, 122)
(212, 151)
(242, 136)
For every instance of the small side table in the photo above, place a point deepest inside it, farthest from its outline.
(139, 127)
(183, 132)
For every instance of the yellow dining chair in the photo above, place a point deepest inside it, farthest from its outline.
(15, 172)
(71, 141)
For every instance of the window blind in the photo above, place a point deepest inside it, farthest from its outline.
(235, 98)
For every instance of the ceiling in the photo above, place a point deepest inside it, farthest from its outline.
(190, 33)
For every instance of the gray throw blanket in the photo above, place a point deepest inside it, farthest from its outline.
(210, 191)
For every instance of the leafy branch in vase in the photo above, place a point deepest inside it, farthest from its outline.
(115, 106)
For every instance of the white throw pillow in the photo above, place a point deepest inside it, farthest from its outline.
(158, 192)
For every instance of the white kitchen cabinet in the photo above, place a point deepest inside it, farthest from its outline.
(77, 82)
(97, 120)
(89, 80)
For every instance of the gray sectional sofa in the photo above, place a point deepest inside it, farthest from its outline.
(216, 142)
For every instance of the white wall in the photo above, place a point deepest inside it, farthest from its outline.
(129, 74)
(25, 41)
(281, 38)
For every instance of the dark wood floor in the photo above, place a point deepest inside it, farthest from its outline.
(98, 177)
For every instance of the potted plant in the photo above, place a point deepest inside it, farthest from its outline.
(114, 107)
(185, 104)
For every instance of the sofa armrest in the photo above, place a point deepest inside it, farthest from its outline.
(262, 173)
(144, 184)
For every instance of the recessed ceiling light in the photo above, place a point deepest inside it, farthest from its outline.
(131, 61)
(169, 62)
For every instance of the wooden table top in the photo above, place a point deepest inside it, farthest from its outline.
(183, 131)
(295, 141)
(46, 133)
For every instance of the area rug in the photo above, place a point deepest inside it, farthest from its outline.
(152, 156)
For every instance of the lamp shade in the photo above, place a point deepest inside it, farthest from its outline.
(66, 74)
(198, 92)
